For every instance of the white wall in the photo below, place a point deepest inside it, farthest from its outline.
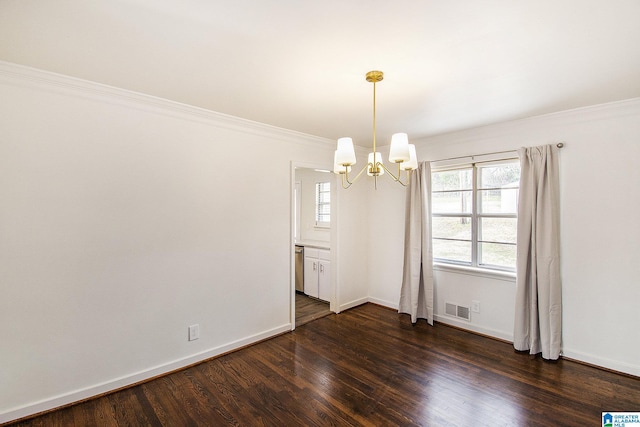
(386, 238)
(351, 228)
(600, 198)
(123, 220)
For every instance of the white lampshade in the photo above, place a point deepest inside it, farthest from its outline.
(378, 160)
(412, 164)
(345, 154)
(399, 151)
(338, 168)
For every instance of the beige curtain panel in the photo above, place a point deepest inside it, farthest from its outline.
(416, 294)
(538, 321)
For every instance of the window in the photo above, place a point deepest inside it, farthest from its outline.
(323, 204)
(475, 215)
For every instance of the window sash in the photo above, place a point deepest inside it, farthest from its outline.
(323, 204)
(487, 253)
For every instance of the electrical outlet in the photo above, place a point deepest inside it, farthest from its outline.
(194, 332)
(475, 306)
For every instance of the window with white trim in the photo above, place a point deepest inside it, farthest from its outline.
(323, 204)
(474, 214)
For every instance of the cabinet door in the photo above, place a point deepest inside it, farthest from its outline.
(311, 276)
(324, 280)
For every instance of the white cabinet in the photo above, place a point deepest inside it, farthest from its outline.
(324, 277)
(311, 271)
(317, 273)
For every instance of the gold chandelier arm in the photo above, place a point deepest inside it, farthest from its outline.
(345, 177)
(396, 178)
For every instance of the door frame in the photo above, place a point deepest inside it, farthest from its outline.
(333, 302)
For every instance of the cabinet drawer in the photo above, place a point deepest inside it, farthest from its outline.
(311, 252)
(324, 254)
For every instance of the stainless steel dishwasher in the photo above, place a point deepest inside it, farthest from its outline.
(300, 268)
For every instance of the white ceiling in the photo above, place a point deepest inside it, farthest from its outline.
(300, 64)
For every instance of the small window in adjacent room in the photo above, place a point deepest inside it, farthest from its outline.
(475, 215)
(323, 204)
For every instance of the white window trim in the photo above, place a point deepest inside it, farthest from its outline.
(508, 276)
(462, 162)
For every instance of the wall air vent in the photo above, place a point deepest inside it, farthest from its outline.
(450, 309)
(458, 311)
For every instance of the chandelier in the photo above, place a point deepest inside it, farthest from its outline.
(401, 152)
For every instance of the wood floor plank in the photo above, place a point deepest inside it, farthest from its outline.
(368, 366)
(309, 309)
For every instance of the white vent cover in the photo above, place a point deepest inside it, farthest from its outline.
(458, 311)
(463, 312)
(451, 309)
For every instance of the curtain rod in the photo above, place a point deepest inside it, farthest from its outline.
(559, 145)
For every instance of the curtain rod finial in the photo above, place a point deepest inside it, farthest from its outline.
(560, 144)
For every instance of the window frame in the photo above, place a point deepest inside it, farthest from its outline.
(322, 187)
(475, 216)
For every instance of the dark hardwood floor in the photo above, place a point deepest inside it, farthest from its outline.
(367, 366)
(309, 309)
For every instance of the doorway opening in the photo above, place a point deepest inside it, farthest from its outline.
(313, 210)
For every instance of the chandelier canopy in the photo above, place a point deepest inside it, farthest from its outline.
(401, 152)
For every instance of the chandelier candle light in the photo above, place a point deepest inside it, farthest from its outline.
(401, 152)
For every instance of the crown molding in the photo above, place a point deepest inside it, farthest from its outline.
(591, 113)
(20, 75)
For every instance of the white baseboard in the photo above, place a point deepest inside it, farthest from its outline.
(352, 304)
(597, 361)
(453, 322)
(474, 328)
(128, 380)
(602, 362)
(384, 303)
(625, 368)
